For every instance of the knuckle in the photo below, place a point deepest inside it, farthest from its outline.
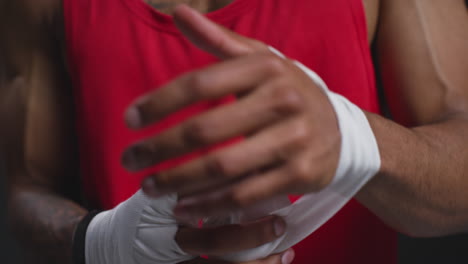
(263, 234)
(267, 233)
(321, 183)
(274, 64)
(257, 45)
(286, 98)
(238, 199)
(302, 171)
(299, 133)
(196, 133)
(217, 166)
(199, 85)
(140, 155)
(317, 184)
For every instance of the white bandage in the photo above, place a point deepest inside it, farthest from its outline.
(142, 230)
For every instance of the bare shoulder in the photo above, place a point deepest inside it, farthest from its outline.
(372, 15)
(21, 18)
(26, 26)
(32, 61)
(32, 10)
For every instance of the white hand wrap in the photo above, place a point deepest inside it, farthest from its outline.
(142, 230)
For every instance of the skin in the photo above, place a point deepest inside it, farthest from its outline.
(412, 198)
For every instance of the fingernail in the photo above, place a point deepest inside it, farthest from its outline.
(129, 159)
(280, 227)
(133, 117)
(136, 158)
(288, 257)
(149, 187)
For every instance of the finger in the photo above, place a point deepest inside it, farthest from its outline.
(297, 176)
(286, 257)
(230, 77)
(270, 103)
(211, 37)
(241, 195)
(223, 240)
(269, 147)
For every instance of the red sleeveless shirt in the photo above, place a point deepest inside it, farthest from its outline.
(121, 49)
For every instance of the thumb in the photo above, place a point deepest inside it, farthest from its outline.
(213, 38)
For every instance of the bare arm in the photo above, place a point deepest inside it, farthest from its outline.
(36, 133)
(423, 52)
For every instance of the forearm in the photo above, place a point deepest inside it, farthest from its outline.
(44, 224)
(422, 50)
(421, 187)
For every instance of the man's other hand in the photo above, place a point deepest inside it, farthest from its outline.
(293, 141)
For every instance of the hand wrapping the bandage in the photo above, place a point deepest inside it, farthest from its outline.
(294, 138)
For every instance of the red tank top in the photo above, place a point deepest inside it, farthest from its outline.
(121, 49)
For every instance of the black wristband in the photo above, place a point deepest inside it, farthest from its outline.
(80, 237)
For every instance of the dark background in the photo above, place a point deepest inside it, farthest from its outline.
(450, 250)
(8, 250)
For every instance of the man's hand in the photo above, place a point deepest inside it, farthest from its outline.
(293, 142)
(144, 231)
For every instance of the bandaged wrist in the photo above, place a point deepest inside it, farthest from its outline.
(140, 230)
(359, 161)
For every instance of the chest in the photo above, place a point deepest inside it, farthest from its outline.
(371, 9)
(204, 6)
